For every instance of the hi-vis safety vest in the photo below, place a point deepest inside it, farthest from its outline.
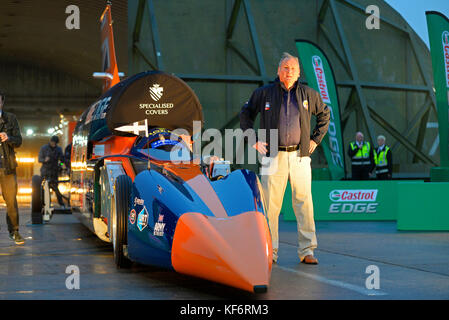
(381, 161)
(362, 155)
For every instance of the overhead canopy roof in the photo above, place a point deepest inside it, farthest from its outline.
(35, 33)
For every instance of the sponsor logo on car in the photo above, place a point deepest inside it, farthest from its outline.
(159, 226)
(132, 216)
(156, 92)
(142, 219)
(138, 201)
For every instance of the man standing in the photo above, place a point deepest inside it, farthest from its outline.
(362, 158)
(51, 156)
(383, 160)
(10, 138)
(287, 106)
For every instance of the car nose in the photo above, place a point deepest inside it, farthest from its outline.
(234, 251)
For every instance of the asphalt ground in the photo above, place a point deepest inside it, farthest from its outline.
(357, 261)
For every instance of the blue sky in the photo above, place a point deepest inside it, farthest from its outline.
(414, 12)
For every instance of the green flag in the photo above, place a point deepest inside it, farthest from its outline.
(320, 77)
(438, 28)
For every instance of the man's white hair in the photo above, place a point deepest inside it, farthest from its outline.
(287, 56)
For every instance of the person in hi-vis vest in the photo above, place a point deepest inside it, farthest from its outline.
(383, 159)
(362, 158)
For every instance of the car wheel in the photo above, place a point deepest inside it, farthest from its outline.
(123, 185)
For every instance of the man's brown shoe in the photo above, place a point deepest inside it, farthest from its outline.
(309, 259)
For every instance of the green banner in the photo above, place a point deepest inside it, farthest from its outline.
(438, 28)
(320, 77)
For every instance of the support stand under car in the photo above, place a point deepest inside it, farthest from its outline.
(41, 208)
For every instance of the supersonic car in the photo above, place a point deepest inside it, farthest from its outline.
(136, 184)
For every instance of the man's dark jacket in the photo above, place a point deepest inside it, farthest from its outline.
(9, 124)
(269, 117)
(50, 169)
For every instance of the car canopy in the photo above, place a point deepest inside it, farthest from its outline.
(160, 99)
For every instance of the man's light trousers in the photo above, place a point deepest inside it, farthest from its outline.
(288, 166)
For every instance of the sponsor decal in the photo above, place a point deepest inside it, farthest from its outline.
(138, 128)
(267, 106)
(98, 150)
(142, 219)
(324, 93)
(305, 104)
(132, 216)
(98, 110)
(163, 143)
(161, 131)
(445, 41)
(353, 201)
(159, 226)
(156, 92)
(138, 201)
(321, 78)
(156, 108)
(353, 195)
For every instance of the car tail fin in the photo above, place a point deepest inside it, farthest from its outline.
(109, 62)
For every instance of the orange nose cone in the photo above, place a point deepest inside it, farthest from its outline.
(235, 251)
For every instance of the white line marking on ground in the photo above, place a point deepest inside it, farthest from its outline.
(337, 283)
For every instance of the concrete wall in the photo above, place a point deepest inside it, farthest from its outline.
(192, 37)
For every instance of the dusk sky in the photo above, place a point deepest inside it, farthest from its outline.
(414, 12)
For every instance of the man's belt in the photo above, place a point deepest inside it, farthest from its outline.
(289, 148)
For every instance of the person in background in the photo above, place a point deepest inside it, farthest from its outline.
(51, 156)
(383, 159)
(362, 158)
(10, 138)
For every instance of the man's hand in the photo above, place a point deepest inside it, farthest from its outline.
(312, 146)
(3, 136)
(47, 159)
(261, 147)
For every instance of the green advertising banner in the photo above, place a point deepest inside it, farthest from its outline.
(414, 204)
(430, 213)
(438, 28)
(320, 77)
